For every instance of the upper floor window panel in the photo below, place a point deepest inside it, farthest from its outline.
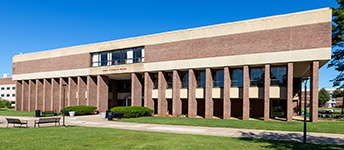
(257, 77)
(278, 76)
(218, 77)
(237, 78)
(118, 57)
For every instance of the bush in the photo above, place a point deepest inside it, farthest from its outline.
(81, 110)
(133, 111)
(5, 104)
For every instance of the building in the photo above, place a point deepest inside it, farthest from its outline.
(246, 69)
(8, 89)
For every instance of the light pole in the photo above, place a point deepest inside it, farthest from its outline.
(305, 113)
(64, 97)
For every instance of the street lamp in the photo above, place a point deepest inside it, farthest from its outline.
(64, 97)
(305, 112)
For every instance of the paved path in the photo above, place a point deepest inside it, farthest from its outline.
(96, 121)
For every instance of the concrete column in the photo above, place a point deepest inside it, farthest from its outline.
(32, 95)
(65, 96)
(72, 91)
(39, 94)
(162, 102)
(290, 92)
(19, 102)
(102, 93)
(192, 94)
(314, 87)
(148, 102)
(136, 89)
(246, 99)
(47, 95)
(92, 91)
(209, 103)
(267, 92)
(177, 102)
(55, 94)
(82, 88)
(226, 94)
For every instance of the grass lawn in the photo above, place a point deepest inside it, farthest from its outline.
(322, 127)
(73, 137)
(12, 112)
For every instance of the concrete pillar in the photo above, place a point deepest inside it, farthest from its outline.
(82, 88)
(267, 92)
(290, 92)
(314, 87)
(177, 102)
(246, 99)
(162, 102)
(92, 91)
(148, 102)
(72, 91)
(102, 93)
(47, 95)
(192, 94)
(32, 95)
(19, 89)
(39, 94)
(226, 94)
(55, 94)
(209, 103)
(65, 96)
(136, 89)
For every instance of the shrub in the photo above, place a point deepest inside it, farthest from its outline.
(81, 110)
(5, 104)
(133, 111)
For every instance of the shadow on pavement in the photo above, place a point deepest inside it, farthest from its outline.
(295, 141)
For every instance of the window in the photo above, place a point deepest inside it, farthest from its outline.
(8, 95)
(278, 76)
(2, 88)
(200, 76)
(278, 108)
(117, 57)
(8, 88)
(13, 95)
(13, 88)
(184, 76)
(257, 77)
(218, 78)
(169, 80)
(237, 78)
(2, 95)
(124, 86)
(155, 80)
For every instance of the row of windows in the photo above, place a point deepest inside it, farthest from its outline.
(8, 88)
(117, 57)
(278, 77)
(8, 95)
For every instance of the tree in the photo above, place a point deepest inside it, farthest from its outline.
(324, 97)
(337, 60)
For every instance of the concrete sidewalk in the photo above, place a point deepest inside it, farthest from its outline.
(96, 121)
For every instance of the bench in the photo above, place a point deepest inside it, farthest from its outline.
(47, 120)
(49, 113)
(15, 121)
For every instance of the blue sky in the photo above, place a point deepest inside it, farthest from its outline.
(37, 25)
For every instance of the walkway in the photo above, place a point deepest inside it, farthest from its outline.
(96, 121)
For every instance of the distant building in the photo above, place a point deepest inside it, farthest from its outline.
(8, 89)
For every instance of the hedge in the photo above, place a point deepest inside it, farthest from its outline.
(5, 104)
(81, 110)
(133, 111)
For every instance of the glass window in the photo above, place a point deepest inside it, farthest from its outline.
(155, 80)
(104, 59)
(8, 88)
(184, 76)
(7, 95)
(278, 108)
(218, 78)
(278, 76)
(237, 77)
(257, 77)
(13, 88)
(2, 95)
(116, 57)
(124, 86)
(129, 56)
(13, 95)
(138, 55)
(200, 76)
(95, 59)
(169, 80)
(2, 88)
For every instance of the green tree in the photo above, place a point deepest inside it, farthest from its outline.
(337, 60)
(324, 97)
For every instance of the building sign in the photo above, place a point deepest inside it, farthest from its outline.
(116, 69)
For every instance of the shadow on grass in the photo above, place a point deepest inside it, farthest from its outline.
(294, 141)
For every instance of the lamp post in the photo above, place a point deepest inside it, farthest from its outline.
(64, 97)
(305, 113)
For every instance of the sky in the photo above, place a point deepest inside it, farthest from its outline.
(38, 25)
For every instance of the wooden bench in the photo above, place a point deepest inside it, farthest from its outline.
(47, 120)
(49, 113)
(15, 121)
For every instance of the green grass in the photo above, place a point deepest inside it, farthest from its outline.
(12, 112)
(321, 127)
(73, 137)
